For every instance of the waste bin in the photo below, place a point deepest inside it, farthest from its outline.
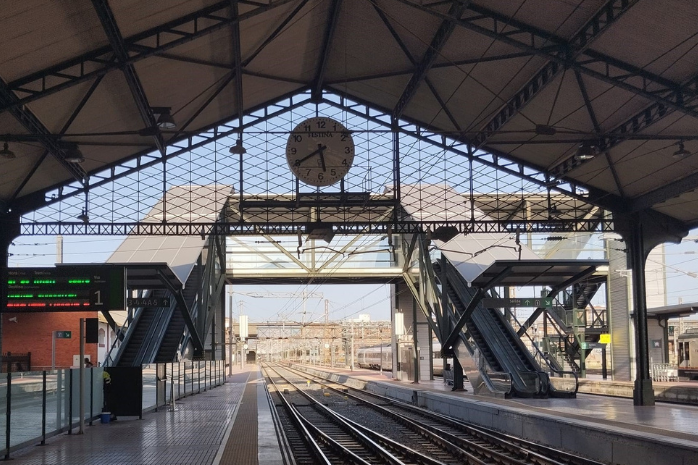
(106, 416)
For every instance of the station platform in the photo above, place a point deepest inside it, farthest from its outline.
(228, 424)
(232, 424)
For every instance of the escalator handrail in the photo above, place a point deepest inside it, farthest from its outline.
(547, 362)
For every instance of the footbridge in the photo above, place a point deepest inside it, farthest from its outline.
(447, 276)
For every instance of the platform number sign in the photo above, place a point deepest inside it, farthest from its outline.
(66, 288)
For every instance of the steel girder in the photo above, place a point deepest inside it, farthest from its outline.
(63, 130)
(32, 124)
(613, 71)
(497, 159)
(145, 158)
(432, 53)
(237, 60)
(417, 66)
(284, 228)
(111, 30)
(569, 51)
(319, 80)
(99, 62)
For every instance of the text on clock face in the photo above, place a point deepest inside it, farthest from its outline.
(320, 151)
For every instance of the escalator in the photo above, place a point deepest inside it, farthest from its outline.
(497, 342)
(145, 333)
(170, 347)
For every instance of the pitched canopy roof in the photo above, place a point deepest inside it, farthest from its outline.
(524, 79)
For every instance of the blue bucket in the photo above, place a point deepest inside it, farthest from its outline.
(106, 416)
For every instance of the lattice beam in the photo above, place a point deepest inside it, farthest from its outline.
(611, 12)
(319, 80)
(111, 30)
(432, 53)
(612, 71)
(279, 228)
(99, 62)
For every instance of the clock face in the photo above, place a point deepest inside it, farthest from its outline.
(320, 151)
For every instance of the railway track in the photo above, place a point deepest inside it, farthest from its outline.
(441, 438)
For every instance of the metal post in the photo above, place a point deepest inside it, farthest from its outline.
(230, 335)
(81, 388)
(70, 401)
(604, 369)
(8, 415)
(643, 393)
(92, 393)
(53, 350)
(351, 365)
(43, 410)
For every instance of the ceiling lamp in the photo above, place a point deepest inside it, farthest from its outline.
(545, 130)
(680, 153)
(586, 151)
(6, 152)
(164, 118)
(84, 217)
(72, 152)
(238, 149)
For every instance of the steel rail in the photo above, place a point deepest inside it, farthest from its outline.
(376, 442)
(296, 419)
(469, 450)
(537, 453)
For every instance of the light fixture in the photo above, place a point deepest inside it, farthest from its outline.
(586, 151)
(72, 152)
(84, 217)
(545, 130)
(164, 118)
(238, 149)
(680, 153)
(6, 152)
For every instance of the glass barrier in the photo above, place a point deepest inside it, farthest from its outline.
(40, 404)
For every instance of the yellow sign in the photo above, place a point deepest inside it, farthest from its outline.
(605, 338)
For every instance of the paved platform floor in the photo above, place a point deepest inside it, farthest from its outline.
(675, 420)
(204, 429)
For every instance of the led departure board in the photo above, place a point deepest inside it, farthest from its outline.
(68, 288)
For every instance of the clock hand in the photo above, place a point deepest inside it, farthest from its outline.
(319, 149)
(322, 158)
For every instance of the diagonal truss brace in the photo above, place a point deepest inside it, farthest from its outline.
(432, 53)
(195, 339)
(98, 62)
(597, 65)
(111, 29)
(611, 12)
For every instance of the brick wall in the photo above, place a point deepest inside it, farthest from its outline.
(32, 333)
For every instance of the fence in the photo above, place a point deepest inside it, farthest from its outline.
(664, 372)
(42, 404)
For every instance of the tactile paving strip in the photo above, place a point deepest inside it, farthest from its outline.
(241, 448)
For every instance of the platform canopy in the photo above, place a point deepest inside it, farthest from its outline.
(601, 93)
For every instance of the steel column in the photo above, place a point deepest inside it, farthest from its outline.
(643, 394)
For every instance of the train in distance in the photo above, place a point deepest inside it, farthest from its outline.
(688, 354)
(370, 357)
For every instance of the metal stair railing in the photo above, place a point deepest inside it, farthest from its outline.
(527, 378)
(545, 361)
